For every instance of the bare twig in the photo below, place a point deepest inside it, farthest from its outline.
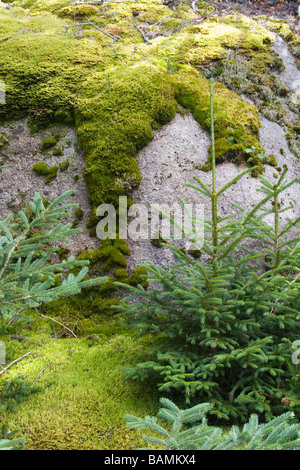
(13, 318)
(90, 23)
(142, 34)
(236, 54)
(47, 365)
(16, 360)
(115, 36)
(159, 24)
(20, 338)
(55, 321)
(4, 371)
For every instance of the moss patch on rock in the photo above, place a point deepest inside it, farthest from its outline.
(118, 95)
(253, 72)
(42, 169)
(132, 101)
(237, 123)
(46, 79)
(48, 143)
(282, 28)
(3, 139)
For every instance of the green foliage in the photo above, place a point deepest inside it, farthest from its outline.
(12, 444)
(14, 391)
(222, 329)
(27, 276)
(279, 434)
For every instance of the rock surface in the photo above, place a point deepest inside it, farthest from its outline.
(172, 157)
(19, 182)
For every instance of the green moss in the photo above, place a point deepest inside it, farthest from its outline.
(121, 274)
(48, 143)
(93, 233)
(63, 253)
(195, 253)
(3, 139)
(64, 116)
(63, 415)
(79, 11)
(91, 255)
(137, 97)
(157, 242)
(237, 123)
(57, 152)
(112, 258)
(138, 276)
(282, 28)
(222, 146)
(61, 76)
(272, 160)
(204, 8)
(110, 254)
(106, 288)
(64, 165)
(46, 203)
(75, 223)
(103, 306)
(42, 169)
(92, 222)
(79, 214)
(45, 67)
(122, 247)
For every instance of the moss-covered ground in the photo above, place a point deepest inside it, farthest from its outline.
(89, 66)
(83, 397)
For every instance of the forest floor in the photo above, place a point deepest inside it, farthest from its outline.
(83, 396)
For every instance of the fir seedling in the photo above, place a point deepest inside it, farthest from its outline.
(27, 246)
(12, 444)
(222, 328)
(188, 430)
